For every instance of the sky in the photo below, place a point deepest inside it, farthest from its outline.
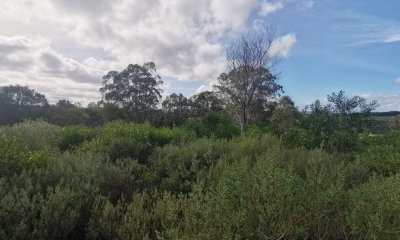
(62, 48)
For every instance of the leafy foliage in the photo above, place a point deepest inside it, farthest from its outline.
(135, 88)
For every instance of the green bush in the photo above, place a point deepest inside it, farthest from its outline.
(374, 209)
(15, 157)
(138, 218)
(249, 202)
(214, 125)
(381, 159)
(120, 140)
(326, 200)
(72, 136)
(27, 213)
(36, 135)
(178, 166)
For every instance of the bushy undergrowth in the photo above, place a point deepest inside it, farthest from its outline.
(121, 139)
(214, 125)
(133, 181)
(37, 135)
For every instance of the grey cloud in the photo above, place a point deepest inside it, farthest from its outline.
(37, 65)
(91, 7)
(52, 62)
(184, 38)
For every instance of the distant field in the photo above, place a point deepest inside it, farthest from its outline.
(383, 118)
(380, 124)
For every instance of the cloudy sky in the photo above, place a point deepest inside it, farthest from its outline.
(62, 48)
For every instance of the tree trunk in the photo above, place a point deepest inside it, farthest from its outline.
(243, 123)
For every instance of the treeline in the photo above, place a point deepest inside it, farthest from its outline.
(174, 110)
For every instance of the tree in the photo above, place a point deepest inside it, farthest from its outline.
(65, 104)
(135, 88)
(335, 126)
(249, 78)
(284, 115)
(18, 103)
(205, 102)
(176, 103)
(346, 106)
(176, 108)
(21, 96)
(352, 111)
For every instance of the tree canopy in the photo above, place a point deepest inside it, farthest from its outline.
(249, 78)
(136, 88)
(21, 96)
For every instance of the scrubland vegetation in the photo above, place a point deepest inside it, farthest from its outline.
(240, 163)
(133, 181)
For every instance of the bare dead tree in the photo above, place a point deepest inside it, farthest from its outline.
(249, 77)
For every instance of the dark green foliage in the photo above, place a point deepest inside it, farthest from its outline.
(374, 209)
(205, 102)
(335, 126)
(135, 88)
(21, 96)
(120, 140)
(133, 181)
(72, 136)
(250, 202)
(214, 125)
(26, 213)
(177, 166)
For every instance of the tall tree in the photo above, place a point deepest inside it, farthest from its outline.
(176, 103)
(205, 102)
(21, 96)
(284, 114)
(135, 88)
(176, 108)
(249, 78)
(336, 126)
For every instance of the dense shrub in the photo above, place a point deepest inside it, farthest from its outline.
(249, 202)
(125, 140)
(72, 136)
(36, 135)
(133, 181)
(381, 159)
(138, 218)
(374, 209)
(214, 125)
(28, 213)
(177, 166)
(14, 157)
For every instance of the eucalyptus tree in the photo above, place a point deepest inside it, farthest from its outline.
(21, 96)
(136, 88)
(250, 77)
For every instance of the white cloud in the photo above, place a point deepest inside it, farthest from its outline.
(397, 80)
(78, 41)
(270, 7)
(358, 29)
(32, 62)
(283, 45)
(206, 87)
(387, 102)
(392, 37)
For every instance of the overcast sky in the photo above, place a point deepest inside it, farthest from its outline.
(62, 48)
